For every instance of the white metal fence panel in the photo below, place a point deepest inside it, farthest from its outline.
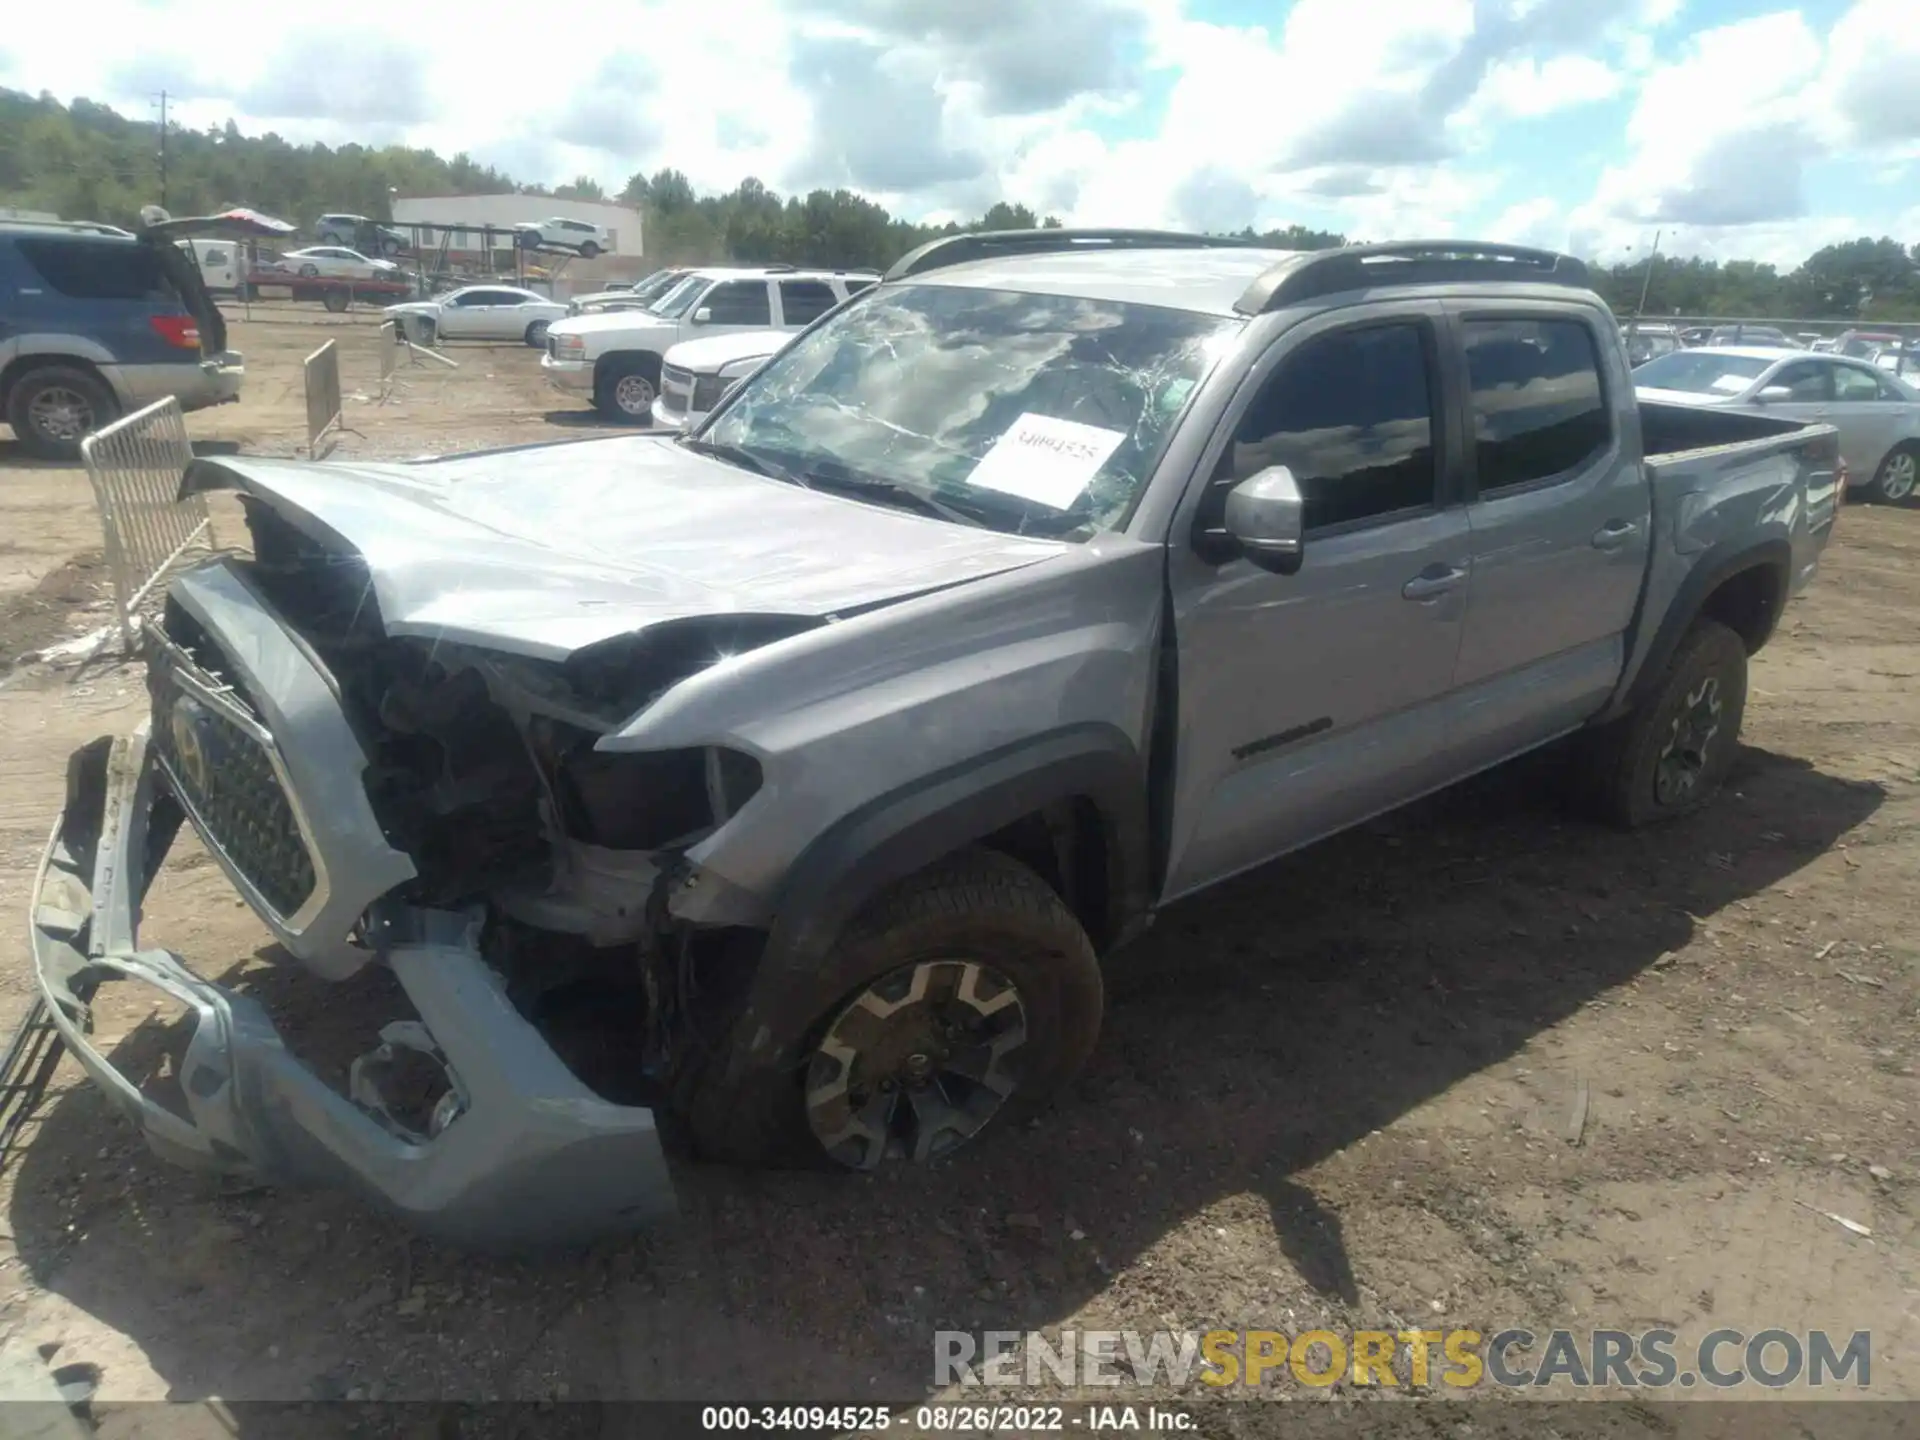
(323, 399)
(135, 466)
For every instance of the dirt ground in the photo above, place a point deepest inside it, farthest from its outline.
(1336, 1093)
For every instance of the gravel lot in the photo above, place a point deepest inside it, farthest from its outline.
(1336, 1092)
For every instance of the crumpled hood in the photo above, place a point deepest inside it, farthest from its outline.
(543, 549)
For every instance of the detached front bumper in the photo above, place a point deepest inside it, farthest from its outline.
(518, 1152)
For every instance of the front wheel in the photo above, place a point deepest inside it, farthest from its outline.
(965, 996)
(626, 389)
(1670, 754)
(1896, 480)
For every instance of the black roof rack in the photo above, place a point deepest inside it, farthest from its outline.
(1405, 262)
(989, 244)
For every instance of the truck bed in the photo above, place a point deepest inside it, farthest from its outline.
(1719, 479)
(1676, 429)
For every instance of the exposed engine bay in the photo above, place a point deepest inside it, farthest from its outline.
(482, 769)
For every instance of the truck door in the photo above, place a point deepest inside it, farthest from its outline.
(1310, 701)
(1560, 513)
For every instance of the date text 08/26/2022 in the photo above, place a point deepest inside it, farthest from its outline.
(960, 1419)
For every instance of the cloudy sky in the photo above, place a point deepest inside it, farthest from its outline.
(1737, 127)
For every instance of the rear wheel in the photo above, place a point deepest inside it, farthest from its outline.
(1898, 476)
(52, 409)
(626, 388)
(309, 271)
(337, 298)
(963, 996)
(536, 335)
(589, 249)
(1670, 754)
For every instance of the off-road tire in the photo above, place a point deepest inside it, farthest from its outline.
(338, 299)
(89, 388)
(977, 904)
(1616, 768)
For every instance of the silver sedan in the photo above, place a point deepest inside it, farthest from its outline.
(1877, 415)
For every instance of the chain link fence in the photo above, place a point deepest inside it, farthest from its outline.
(135, 466)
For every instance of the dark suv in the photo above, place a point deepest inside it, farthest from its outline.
(94, 325)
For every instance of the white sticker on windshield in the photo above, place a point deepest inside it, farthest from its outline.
(1046, 460)
(1731, 384)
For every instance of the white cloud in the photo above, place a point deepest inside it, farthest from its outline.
(1721, 139)
(1526, 88)
(1377, 117)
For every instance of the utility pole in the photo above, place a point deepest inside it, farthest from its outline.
(163, 149)
(1646, 284)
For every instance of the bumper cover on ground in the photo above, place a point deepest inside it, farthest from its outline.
(530, 1156)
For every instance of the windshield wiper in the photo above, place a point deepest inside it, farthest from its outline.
(743, 457)
(887, 492)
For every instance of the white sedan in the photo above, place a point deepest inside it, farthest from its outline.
(336, 262)
(479, 312)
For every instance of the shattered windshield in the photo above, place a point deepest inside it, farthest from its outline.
(1037, 414)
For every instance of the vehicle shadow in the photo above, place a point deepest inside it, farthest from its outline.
(591, 420)
(1250, 1035)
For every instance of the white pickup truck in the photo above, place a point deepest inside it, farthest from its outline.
(615, 358)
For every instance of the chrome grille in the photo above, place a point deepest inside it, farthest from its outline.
(219, 761)
(676, 389)
(707, 391)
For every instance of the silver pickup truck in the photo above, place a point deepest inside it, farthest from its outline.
(1059, 576)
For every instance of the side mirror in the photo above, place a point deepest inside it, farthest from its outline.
(1266, 517)
(1775, 395)
(703, 316)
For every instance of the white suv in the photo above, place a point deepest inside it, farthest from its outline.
(614, 357)
(560, 233)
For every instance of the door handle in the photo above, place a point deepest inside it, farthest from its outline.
(1614, 534)
(1434, 581)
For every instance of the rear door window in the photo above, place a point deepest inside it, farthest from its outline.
(96, 270)
(804, 301)
(739, 302)
(1539, 410)
(1853, 385)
